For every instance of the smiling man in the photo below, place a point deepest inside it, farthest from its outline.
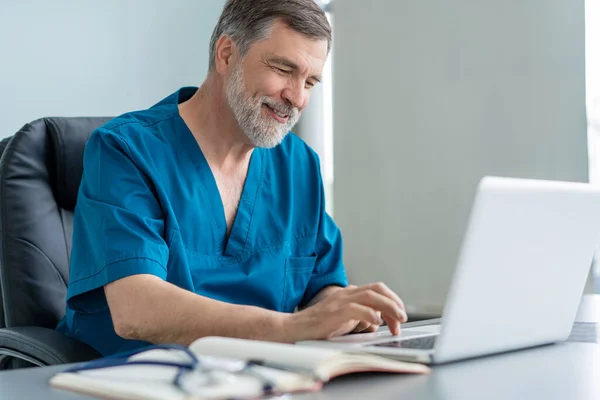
(204, 216)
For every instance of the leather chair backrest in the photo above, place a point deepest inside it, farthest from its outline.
(3, 144)
(40, 173)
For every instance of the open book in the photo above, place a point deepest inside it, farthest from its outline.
(217, 368)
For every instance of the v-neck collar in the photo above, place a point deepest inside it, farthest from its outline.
(235, 247)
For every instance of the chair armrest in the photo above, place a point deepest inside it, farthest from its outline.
(43, 346)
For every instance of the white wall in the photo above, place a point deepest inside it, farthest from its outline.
(431, 95)
(98, 57)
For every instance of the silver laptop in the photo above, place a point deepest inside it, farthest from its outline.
(522, 269)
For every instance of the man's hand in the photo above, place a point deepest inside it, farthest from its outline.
(350, 309)
(365, 326)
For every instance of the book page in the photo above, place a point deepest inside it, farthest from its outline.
(122, 388)
(276, 354)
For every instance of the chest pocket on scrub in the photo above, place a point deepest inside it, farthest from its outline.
(298, 271)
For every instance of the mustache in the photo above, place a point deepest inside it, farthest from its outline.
(282, 108)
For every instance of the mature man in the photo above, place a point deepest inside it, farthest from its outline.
(202, 216)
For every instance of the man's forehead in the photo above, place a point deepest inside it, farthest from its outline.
(291, 47)
(302, 63)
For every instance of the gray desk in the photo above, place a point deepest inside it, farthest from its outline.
(560, 371)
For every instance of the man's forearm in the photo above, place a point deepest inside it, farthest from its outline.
(144, 307)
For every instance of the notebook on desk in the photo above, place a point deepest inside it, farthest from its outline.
(217, 368)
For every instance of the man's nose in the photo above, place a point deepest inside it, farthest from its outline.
(295, 95)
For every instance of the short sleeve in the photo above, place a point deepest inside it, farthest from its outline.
(118, 227)
(329, 268)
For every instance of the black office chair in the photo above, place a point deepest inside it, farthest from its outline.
(40, 173)
(3, 144)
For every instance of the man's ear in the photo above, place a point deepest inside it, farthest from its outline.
(225, 52)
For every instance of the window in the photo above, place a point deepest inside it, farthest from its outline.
(316, 124)
(328, 128)
(592, 39)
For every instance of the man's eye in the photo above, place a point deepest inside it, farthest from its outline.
(282, 71)
(309, 85)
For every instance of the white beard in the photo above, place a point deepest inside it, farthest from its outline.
(263, 131)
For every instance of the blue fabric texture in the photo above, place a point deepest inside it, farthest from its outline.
(149, 204)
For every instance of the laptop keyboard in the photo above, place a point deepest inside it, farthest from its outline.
(424, 343)
(587, 332)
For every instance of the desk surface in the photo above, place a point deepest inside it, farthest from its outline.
(559, 371)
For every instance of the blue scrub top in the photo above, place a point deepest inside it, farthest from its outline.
(149, 204)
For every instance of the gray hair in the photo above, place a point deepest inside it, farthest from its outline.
(250, 21)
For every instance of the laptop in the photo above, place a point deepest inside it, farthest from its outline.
(520, 275)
